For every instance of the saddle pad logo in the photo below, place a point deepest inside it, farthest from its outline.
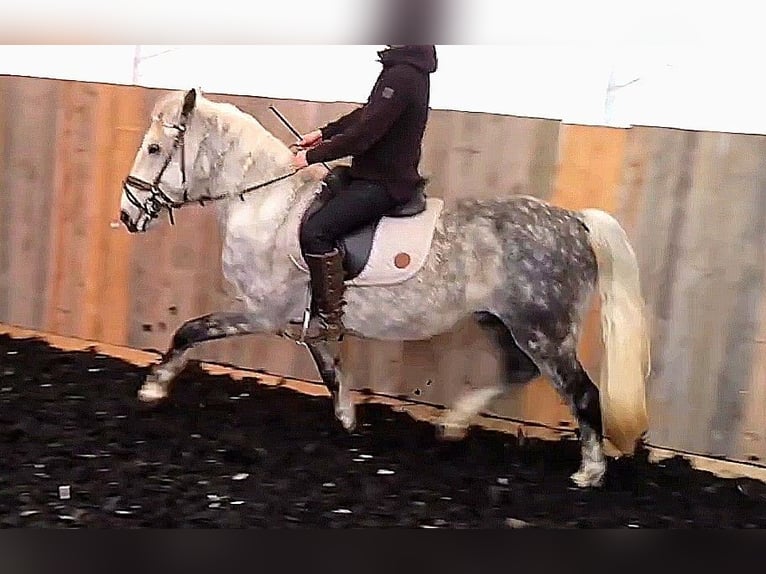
(402, 260)
(388, 93)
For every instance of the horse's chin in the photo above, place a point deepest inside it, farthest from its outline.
(130, 227)
(146, 225)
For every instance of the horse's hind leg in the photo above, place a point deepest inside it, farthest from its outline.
(191, 333)
(574, 383)
(584, 399)
(556, 357)
(517, 367)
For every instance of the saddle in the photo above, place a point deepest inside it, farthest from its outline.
(357, 246)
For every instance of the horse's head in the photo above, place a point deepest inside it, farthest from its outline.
(196, 151)
(158, 178)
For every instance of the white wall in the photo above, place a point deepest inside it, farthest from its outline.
(111, 64)
(675, 63)
(519, 80)
(706, 87)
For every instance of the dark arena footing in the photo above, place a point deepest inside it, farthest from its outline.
(79, 450)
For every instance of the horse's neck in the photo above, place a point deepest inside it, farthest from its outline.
(236, 152)
(259, 217)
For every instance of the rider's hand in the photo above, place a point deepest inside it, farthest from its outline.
(310, 139)
(299, 160)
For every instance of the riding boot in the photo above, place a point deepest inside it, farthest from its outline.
(327, 289)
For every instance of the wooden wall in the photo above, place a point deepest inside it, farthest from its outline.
(693, 204)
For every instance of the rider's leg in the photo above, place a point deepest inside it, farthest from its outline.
(349, 209)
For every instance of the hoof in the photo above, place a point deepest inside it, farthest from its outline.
(348, 421)
(347, 417)
(589, 477)
(152, 392)
(451, 431)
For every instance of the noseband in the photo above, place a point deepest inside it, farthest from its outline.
(158, 199)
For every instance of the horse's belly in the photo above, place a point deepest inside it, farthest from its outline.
(388, 315)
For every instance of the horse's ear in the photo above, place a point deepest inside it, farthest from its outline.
(190, 99)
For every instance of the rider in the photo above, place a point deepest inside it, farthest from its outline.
(384, 138)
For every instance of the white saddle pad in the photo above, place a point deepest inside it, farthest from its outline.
(399, 249)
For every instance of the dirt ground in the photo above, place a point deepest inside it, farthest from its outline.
(80, 451)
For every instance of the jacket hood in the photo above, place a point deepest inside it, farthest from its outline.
(421, 57)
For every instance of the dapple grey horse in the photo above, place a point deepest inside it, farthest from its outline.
(525, 264)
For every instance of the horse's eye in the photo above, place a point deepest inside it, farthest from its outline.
(153, 148)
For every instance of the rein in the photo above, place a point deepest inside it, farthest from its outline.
(159, 199)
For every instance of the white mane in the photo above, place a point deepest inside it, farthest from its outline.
(230, 149)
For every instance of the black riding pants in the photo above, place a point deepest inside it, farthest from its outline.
(352, 207)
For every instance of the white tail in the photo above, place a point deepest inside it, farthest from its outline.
(626, 362)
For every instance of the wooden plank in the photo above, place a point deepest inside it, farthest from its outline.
(544, 159)
(701, 304)
(667, 176)
(86, 104)
(97, 218)
(62, 206)
(77, 190)
(743, 260)
(665, 246)
(590, 167)
(751, 440)
(721, 468)
(457, 166)
(28, 186)
(127, 123)
(706, 307)
(382, 367)
(435, 159)
(5, 220)
(632, 189)
(415, 369)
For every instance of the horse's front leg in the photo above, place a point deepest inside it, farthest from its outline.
(157, 385)
(327, 357)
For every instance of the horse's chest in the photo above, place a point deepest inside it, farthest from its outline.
(247, 269)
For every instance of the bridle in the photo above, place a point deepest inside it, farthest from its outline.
(157, 200)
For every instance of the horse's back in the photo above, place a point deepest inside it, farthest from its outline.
(521, 217)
